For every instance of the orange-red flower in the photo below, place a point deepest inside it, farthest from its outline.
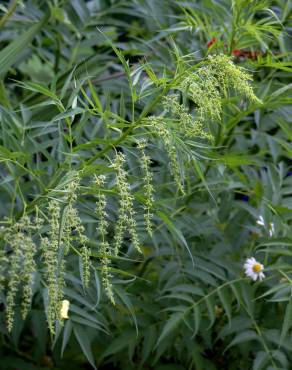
(245, 53)
(211, 42)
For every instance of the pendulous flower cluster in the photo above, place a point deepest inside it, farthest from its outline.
(65, 228)
(73, 226)
(211, 82)
(22, 249)
(104, 246)
(54, 266)
(166, 135)
(187, 125)
(205, 88)
(126, 220)
(148, 186)
(229, 75)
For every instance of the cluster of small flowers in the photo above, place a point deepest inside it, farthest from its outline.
(229, 75)
(206, 86)
(73, 224)
(3, 265)
(55, 269)
(188, 126)
(65, 226)
(102, 232)
(202, 88)
(86, 264)
(29, 267)
(148, 186)
(165, 134)
(22, 249)
(126, 209)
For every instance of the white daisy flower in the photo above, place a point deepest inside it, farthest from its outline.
(254, 269)
(64, 309)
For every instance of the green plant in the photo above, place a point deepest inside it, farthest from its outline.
(138, 162)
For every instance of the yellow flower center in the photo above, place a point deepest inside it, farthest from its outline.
(256, 267)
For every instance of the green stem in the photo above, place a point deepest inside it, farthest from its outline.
(9, 13)
(234, 30)
(129, 129)
(144, 113)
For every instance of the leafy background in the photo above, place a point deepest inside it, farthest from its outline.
(185, 303)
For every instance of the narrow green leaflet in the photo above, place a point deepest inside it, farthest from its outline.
(12, 52)
(82, 339)
(170, 325)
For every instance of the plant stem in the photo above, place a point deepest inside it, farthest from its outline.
(9, 13)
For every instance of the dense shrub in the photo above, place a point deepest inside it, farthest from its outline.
(145, 184)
